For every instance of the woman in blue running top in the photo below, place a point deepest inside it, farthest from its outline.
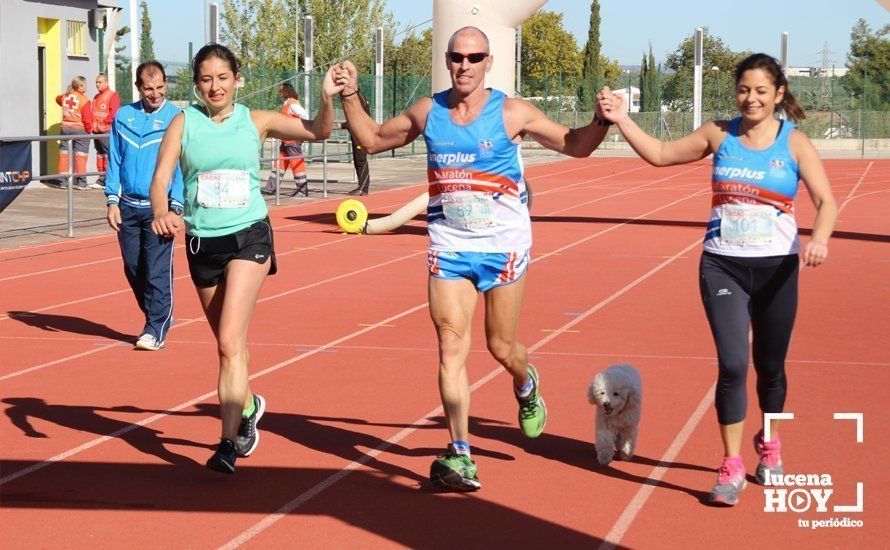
(749, 266)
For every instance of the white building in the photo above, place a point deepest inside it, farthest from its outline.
(635, 95)
(43, 45)
(816, 71)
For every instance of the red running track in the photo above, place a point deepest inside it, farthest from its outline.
(104, 446)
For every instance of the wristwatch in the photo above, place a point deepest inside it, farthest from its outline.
(176, 210)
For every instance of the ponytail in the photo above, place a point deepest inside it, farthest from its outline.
(790, 107)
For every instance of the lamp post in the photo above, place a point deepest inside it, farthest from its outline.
(716, 70)
(630, 94)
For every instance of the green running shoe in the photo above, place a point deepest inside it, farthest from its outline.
(532, 410)
(454, 471)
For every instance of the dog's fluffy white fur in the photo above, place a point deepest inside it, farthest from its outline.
(617, 393)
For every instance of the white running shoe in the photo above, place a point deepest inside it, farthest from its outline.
(149, 343)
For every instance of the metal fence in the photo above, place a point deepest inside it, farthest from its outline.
(836, 134)
(325, 156)
(845, 121)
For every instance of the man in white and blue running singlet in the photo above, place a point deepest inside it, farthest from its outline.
(479, 227)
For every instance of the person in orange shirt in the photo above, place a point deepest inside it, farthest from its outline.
(104, 106)
(77, 118)
(291, 152)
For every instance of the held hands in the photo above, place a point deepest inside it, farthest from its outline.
(167, 225)
(610, 106)
(331, 87)
(347, 78)
(815, 253)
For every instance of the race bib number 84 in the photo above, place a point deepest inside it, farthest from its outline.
(224, 189)
(747, 224)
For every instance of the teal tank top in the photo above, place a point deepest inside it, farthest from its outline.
(220, 166)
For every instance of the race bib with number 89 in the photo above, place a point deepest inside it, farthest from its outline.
(470, 212)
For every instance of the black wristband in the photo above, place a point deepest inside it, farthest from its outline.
(349, 95)
(602, 121)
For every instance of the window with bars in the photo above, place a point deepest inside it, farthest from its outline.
(77, 38)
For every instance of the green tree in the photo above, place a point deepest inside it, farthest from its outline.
(611, 72)
(592, 74)
(414, 55)
(408, 65)
(341, 28)
(868, 64)
(716, 83)
(122, 66)
(650, 77)
(146, 43)
(644, 84)
(120, 60)
(551, 63)
(181, 88)
(256, 29)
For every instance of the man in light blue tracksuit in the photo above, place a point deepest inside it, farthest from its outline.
(148, 259)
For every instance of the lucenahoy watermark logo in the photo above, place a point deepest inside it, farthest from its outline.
(801, 493)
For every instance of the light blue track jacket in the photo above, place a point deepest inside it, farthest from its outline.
(135, 141)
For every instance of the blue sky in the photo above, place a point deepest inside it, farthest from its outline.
(627, 26)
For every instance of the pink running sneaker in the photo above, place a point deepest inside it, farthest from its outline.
(770, 459)
(730, 482)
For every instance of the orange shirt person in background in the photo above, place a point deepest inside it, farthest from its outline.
(77, 118)
(290, 152)
(104, 105)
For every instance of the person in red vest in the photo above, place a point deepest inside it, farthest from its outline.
(291, 152)
(104, 106)
(77, 118)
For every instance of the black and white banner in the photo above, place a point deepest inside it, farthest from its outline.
(15, 170)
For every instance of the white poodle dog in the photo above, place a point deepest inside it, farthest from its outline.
(617, 393)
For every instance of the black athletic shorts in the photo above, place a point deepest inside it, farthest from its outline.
(209, 256)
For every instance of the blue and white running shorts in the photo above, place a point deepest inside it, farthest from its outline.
(485, 270)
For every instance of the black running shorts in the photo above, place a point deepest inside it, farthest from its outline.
(209, 256)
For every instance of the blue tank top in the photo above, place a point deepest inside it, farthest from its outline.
(752, 208)
(477, 194)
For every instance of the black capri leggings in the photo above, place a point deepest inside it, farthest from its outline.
(760, 293)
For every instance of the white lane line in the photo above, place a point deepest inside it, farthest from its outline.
(127, 290)
(99, 440)
(186, 323)
(304, 497)
(619, 529)
(276, 209)
(855, 187)
(307, 204)
(557, 251)
(118, 258)
(297, 345)
(90, 444)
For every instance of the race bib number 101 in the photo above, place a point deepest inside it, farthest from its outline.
(747, 224)
(224, 189)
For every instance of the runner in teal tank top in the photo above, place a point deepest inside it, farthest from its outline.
(228, 235)
(221, 173)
